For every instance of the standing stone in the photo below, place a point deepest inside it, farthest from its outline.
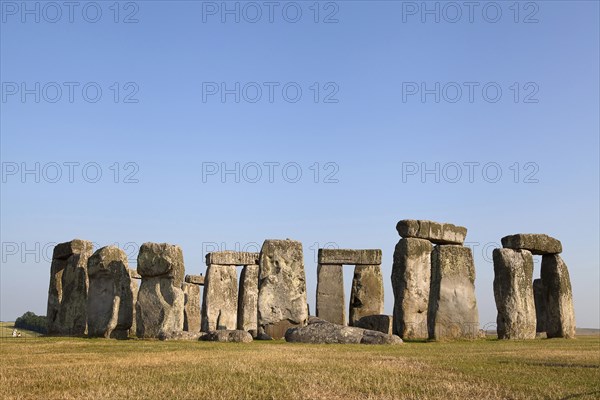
(539, 296)
(560, 317)
(160, 303)
(411, 276)
(282, 287)
(110, 298)
(135, 288)
(219, 305)
(367, 292)
(452, 311)
(247, 319)
(513, 292)
(191, 307)
(67, 293)
(330, 293)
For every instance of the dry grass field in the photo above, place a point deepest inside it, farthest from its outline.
(74, 368)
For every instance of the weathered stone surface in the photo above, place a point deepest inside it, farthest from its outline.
(160, 303)
(349, 257)
(319, 331)
(110, 298)
(67, 292)
(436, 232)
(161, 259)
(367, 292)
(536, 243)
(411, 277)
(232, 258)
(195, 279)
(381, 323)
(330, 293)
(191, 307)
(181, 335)
(541, 303)
(229, 336)
(513, 292)
(282, 286)
(220, 299)
(560, 317)
(452, 311)
(159, 307)
(135, 288)
(247, 319)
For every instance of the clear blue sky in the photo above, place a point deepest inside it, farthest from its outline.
(373, 61)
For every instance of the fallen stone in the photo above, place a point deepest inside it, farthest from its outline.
(436, 232)
(110, 298)
(538, 244)
(282, 287)
(367, 292)
(232, 258)
(513, 292)
(452, 311)
(541, 304)
(380, 323)
(220, 298)
(330, 293)
(411, 277)
(181, 335)
(560, 313)
(191, 307)
(349, 257)
(67, 293)
(247, 318)
(227, 336)
(161, 259)
(319, 331)
(195, 279)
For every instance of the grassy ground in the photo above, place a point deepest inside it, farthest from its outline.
(6, 329)
(75, 368)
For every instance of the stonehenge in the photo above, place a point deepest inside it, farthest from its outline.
(527, 308)
(224, 306)
(160, 302)
(67, 294)
(433, 280)
(110, 296)
(367, 285)
(434, 286)
(281, 288)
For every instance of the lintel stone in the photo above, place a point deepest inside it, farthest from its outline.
(538, 244)
(350, 257)
(435, 232)
(232, 258)
(195, 279)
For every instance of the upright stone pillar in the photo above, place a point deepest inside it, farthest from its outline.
(539, 297)
(560, 317)
(219, 304)
(282, 287)
(135, 288)
(67, 293)
(367, 292)
(411, 277)
(191, 308)
(513, 292)
(110, 298)
(330, 293)
(160, 304)
(247, 319)
(452, 311)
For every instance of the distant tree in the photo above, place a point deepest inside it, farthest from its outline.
(32, 322)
